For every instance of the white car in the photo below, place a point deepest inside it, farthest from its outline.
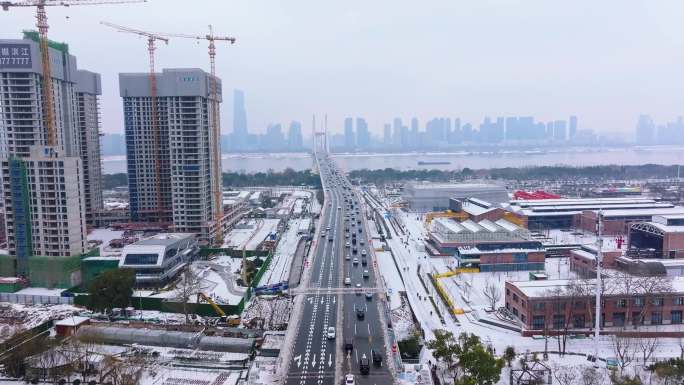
(363, 253)
(349, 379)
(347, 281)
(355, 261)
(331, 333)
(347, 245)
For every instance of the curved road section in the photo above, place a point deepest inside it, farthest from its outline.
(352, 307)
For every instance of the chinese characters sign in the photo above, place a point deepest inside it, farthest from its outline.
(15, 56)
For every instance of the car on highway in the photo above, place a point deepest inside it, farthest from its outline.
(339, 207)
(360, 314)
(348, 345)
(349, 379)
(346, 235)
(360, 230)
(364, 261)
(355, 261)
(365, 273)
(369, 295)
(362, 242)
(331, 333)
(354, 250)
(363, 253)
(330, 239)
(347, 281)
(377, 357)
(347, 257)
(364, 365)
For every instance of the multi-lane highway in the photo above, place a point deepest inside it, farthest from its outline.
(342, 268)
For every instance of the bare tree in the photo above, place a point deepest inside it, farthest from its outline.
(624, 351)
(492, 292)
(189, 285)
(127, 372)
(647, 346)
(680, 341)
(591, 376)
(566, 375)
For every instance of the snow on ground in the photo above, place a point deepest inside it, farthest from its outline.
(275, 312)
(268, 226)
(402, 322)
(105, 235)
(16, 318)
(409, 256)
(279, 269)
(165, 375)
(41, 291)
(391, 276)
(249, 233)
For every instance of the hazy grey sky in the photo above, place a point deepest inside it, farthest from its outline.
(604, 60)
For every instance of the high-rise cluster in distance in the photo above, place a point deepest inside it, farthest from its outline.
(445, 133)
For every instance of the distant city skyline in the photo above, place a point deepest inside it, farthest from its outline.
(385, 58)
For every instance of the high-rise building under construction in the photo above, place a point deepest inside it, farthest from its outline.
(170, 165)
(43, 181)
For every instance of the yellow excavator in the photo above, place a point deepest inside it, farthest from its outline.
(232, 320)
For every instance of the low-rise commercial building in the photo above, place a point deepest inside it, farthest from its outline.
(158, 259)
(570, 304)
(582, 213)
(423, 197)
(491, 246)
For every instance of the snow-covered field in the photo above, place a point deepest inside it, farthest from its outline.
(279, 269)
(15, 318)
(249, 233)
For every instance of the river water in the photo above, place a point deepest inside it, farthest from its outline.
(250, 163)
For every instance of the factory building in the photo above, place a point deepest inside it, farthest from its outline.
(423, 197)
(159, 259)
(663, 237)
(44, 184)
(544, 214)
(570, 304)
(169, 178)
(491, 246)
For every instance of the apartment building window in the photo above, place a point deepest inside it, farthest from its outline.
(538, 322)
(578, 321)
(515, 298)
(676, 316)
(679, 301)
(558, 321)
(618, 319)
(539, 306)
(621, 303)
(636, 318)
(638, 301)
(656, 318)
(659, 301)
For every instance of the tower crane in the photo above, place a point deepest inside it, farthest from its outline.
(42, 25)
(156, 136)
(216, 124)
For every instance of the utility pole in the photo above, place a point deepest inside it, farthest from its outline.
(599, 261)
